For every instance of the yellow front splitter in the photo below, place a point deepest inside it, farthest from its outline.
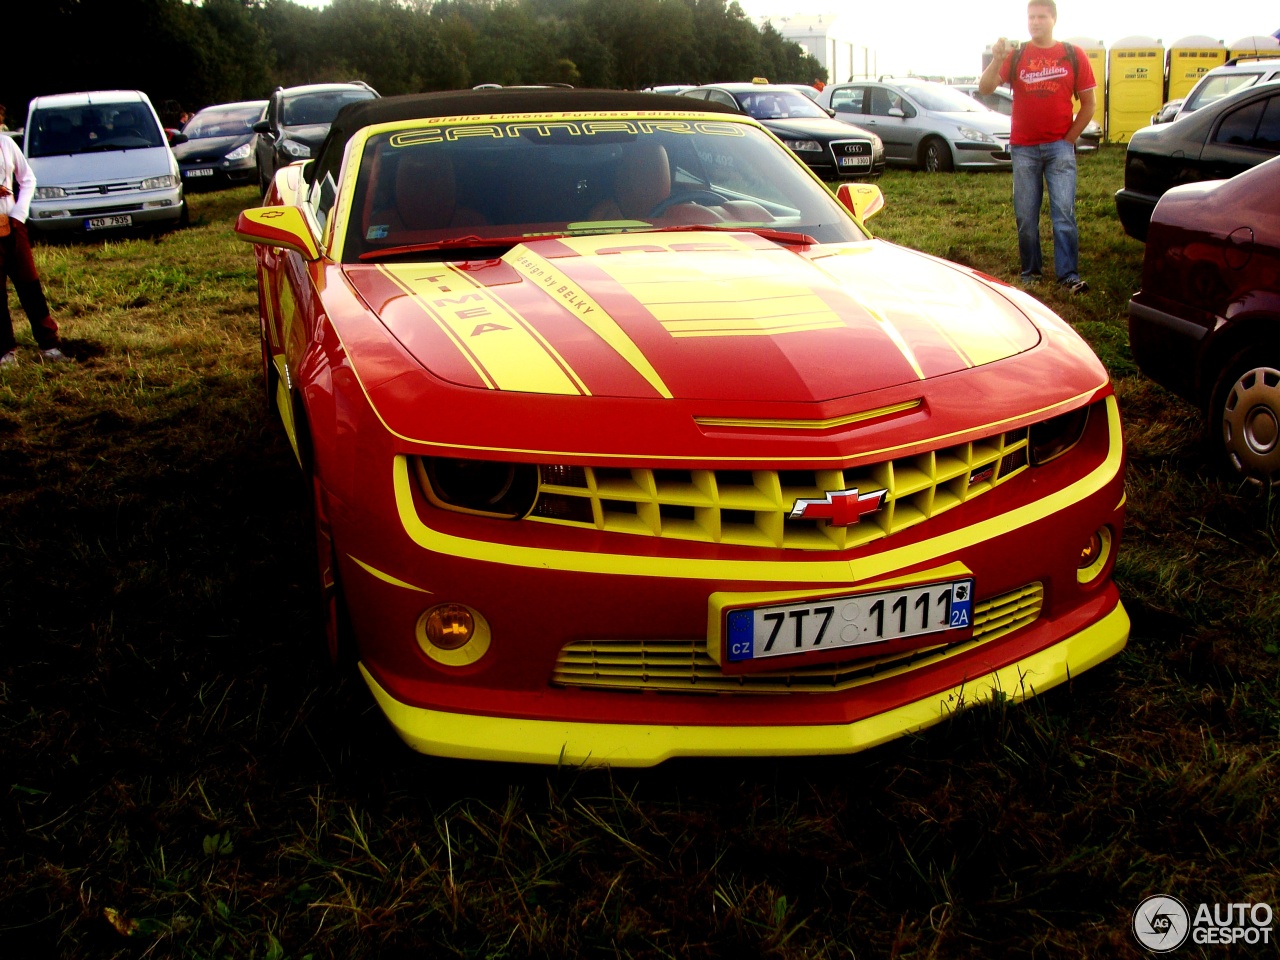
(477, 737)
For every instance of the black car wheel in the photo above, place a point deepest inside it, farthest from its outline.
(339, 639)
(935, 155)
(1244, 418)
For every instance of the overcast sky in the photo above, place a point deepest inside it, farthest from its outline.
(948, 36)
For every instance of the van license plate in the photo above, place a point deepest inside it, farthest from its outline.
(102, 223)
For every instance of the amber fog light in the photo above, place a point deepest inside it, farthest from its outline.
(1094, 556)
(453, 634)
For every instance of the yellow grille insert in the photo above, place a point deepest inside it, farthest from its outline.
(683, 666)
(752, 508)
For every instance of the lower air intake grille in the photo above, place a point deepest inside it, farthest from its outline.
(683, 666)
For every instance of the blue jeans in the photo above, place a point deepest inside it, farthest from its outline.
(1055, 164)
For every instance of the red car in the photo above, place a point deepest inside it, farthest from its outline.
(1206, 322)
(628, 441)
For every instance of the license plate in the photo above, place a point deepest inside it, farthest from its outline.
(101, 223)
(855, 620)
(198, 173)
(854, 161)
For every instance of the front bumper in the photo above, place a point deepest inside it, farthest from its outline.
(517, 740)
(212, 175)
(974, 155)
(508, 703)
(67, 214)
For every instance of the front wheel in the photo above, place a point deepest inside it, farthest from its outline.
(1244, 418)
(935, 155)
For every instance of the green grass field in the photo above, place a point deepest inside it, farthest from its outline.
(184, 777)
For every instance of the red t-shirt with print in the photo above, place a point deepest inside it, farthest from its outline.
(1042, 91)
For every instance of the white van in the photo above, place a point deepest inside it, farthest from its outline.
(101, 162)
(1235, 74)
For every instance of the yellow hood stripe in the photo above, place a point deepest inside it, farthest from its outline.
(504, 350)
(557, 285)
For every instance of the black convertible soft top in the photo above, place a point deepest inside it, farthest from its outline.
(462, 103)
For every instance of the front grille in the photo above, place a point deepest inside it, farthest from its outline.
(104, 189)
(753, 508)
(683, 666)
(851, 148)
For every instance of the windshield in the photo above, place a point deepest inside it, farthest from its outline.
(461, 184)
(1212, 89)
(223, 121)
(58, 131)
(934, 96)
(309, 108)
(779, 105)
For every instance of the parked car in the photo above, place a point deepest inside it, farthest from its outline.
(1227, 137)
(218, 149)
(669, 456)
(832, 149)
(101, 163)
(1169, 112)
(297, 121)
(1206, 322)
(1001, 101)
(1236, 74)
(925, 125)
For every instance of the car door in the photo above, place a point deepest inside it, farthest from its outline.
(1243, 138)
(889, 114)
(264, 146)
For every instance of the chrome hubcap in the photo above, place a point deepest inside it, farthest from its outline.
(1251, 424)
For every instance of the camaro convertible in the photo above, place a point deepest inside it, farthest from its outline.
(628, 441)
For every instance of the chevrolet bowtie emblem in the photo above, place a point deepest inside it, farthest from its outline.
(840, 508)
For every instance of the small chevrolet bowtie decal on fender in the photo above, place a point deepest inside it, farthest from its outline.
(840, 508)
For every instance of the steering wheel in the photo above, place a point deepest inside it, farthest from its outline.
(704, 197)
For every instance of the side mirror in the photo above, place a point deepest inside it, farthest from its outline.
(178, 138)
(863, 200)
(897, 112)
(278, 227)
(830, 112)
(262, 126)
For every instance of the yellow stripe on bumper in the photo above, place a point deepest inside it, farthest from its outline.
(640, 745)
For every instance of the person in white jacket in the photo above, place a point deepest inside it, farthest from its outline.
(17, 187)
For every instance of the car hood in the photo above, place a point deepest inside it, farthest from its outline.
(813, 127)
(210, 148)
(312, 134)
(63, 170)
(694, 316)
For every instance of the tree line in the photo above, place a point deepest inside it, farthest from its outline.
(186, 55)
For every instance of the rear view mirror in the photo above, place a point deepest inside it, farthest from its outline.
(278, 227)
(863, 200)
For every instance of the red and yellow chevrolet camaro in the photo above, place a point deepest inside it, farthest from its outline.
(628, 441)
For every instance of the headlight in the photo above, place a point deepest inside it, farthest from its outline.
(295, 149)
(489, 488)
(50, 193)
(1052, 438)
(807, 146)
(971, 134)
(240, 152)
(160, 183)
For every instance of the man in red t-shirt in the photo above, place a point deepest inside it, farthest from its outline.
(1044, 75)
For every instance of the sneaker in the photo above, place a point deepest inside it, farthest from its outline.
(9, 358)
(53, 355)
(1029, 279)
(1075, 286)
